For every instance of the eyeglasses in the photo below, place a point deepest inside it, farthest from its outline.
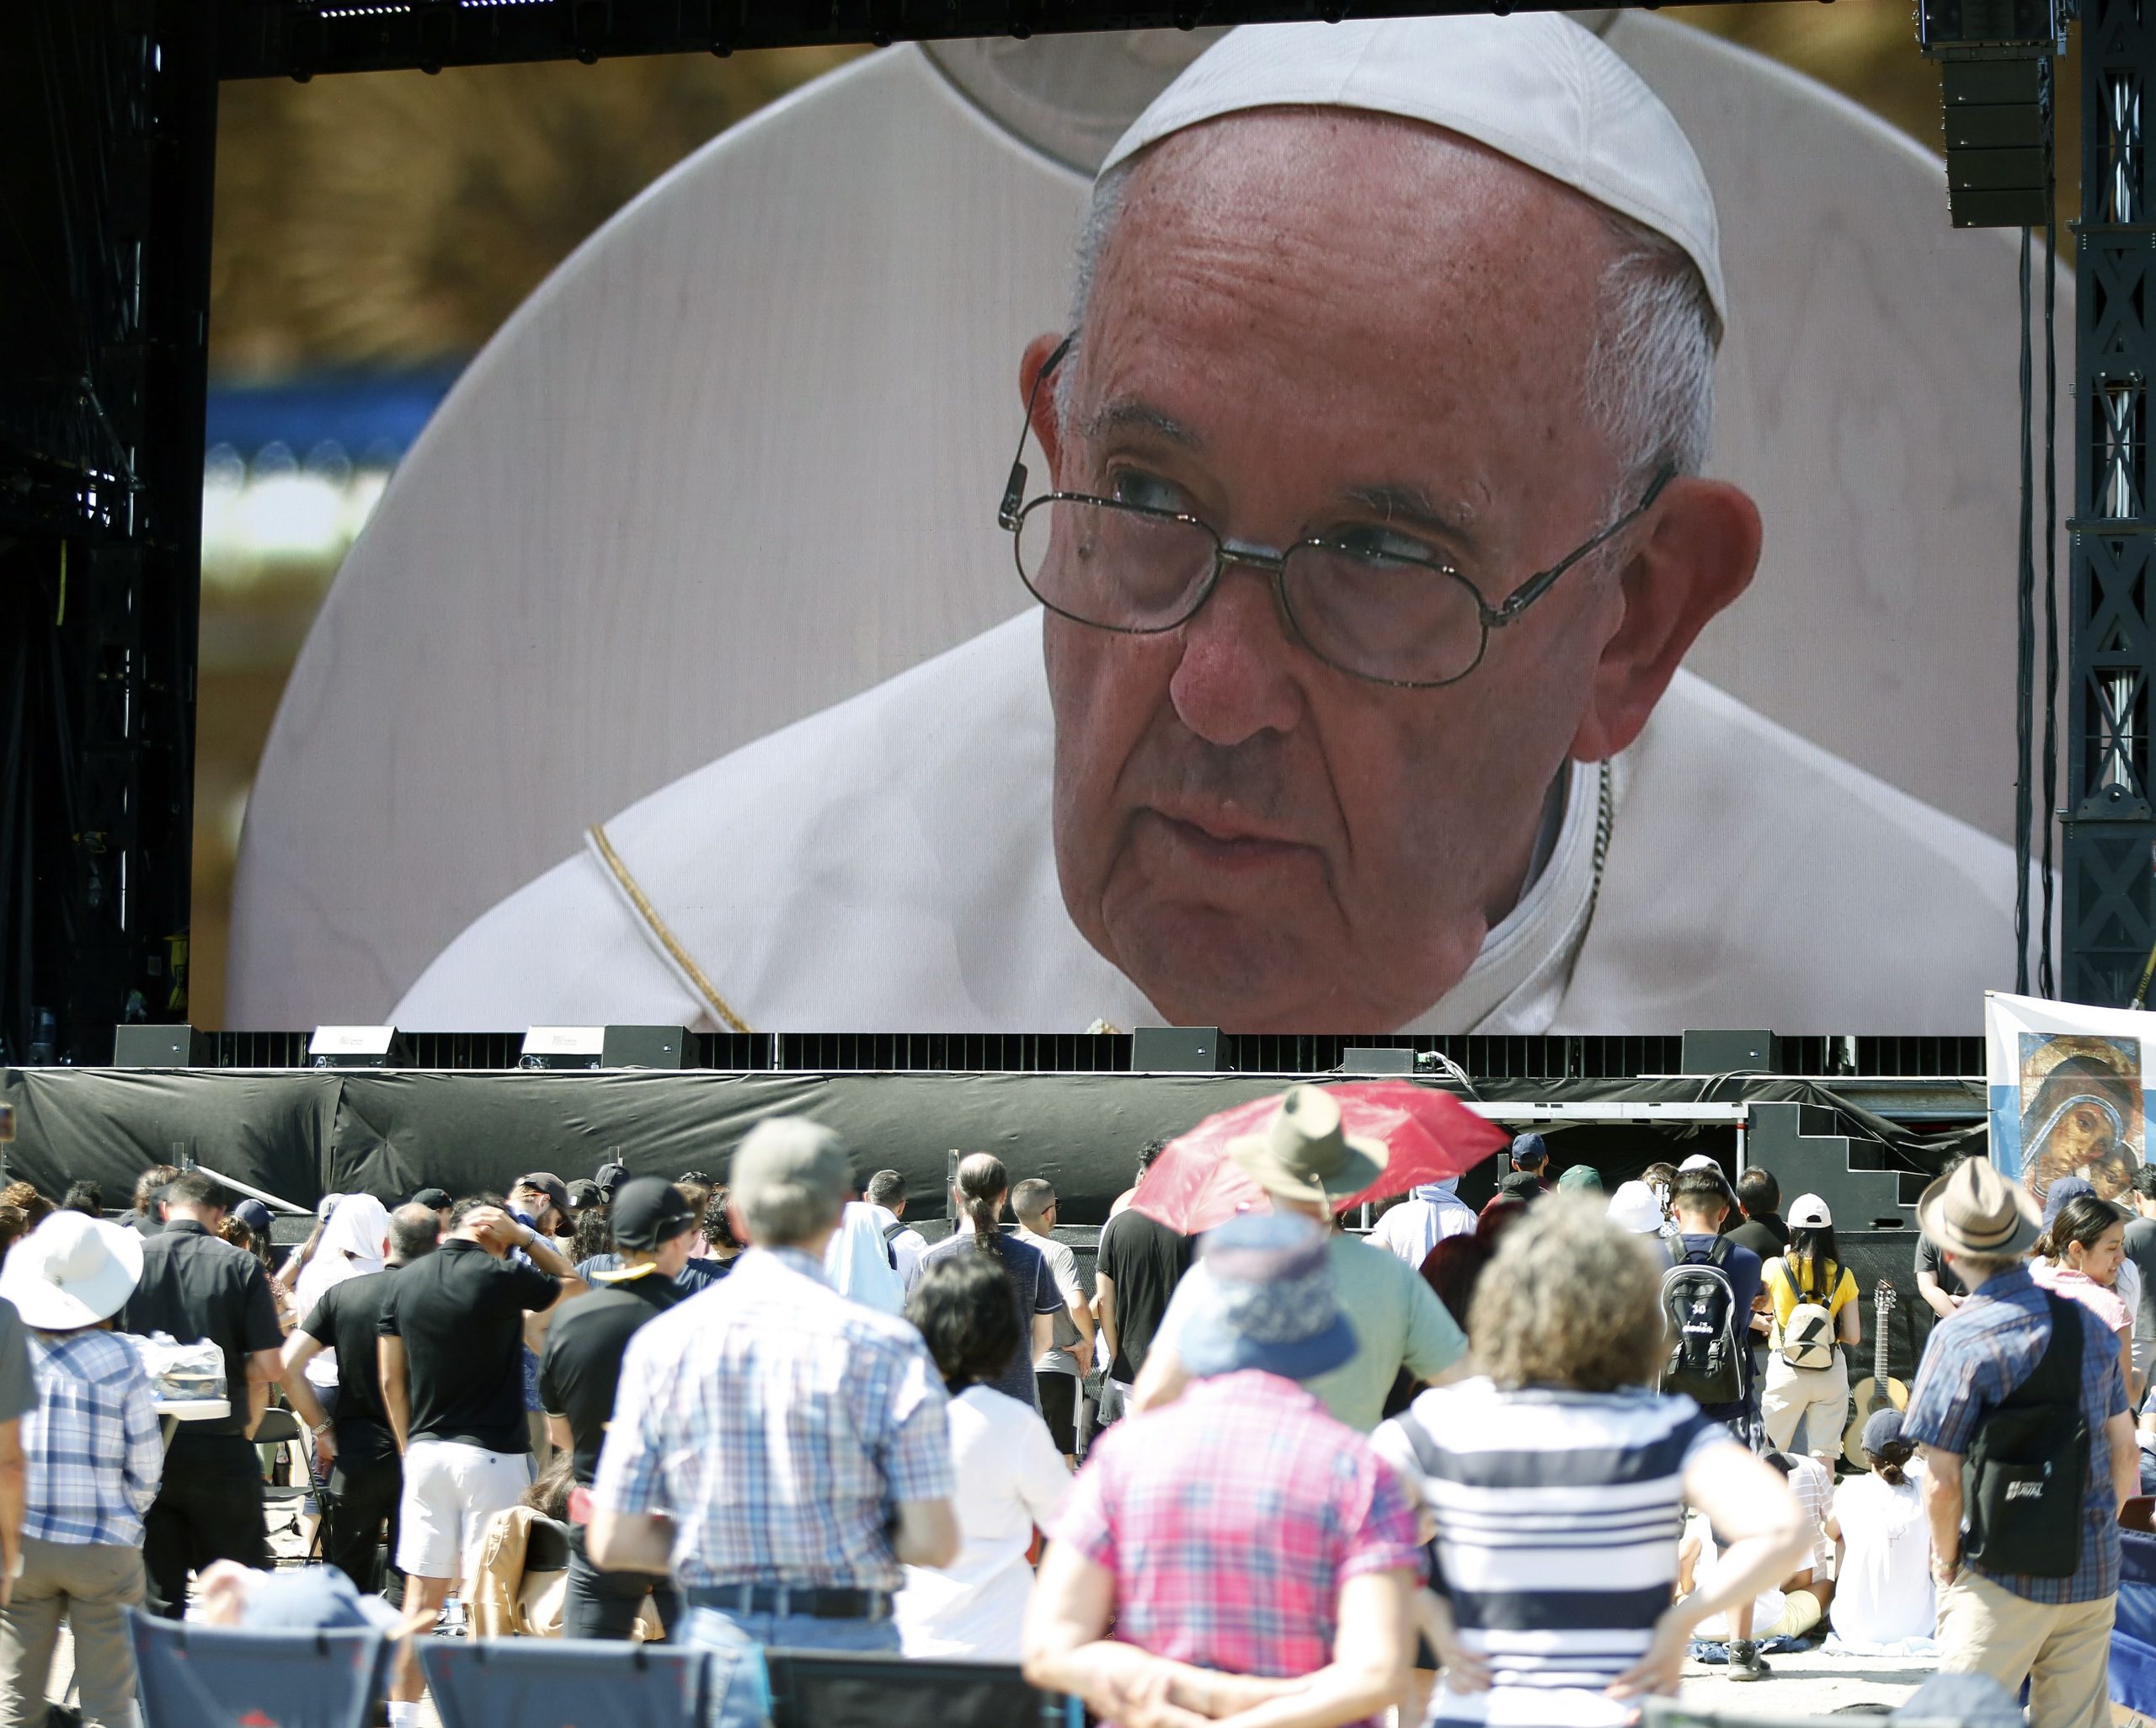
(1364, 608)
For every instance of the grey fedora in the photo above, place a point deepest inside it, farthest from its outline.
(1305, 1154)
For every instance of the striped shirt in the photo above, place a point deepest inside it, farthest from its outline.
(779, 1425)
(94, 1453)
(1557, 1516)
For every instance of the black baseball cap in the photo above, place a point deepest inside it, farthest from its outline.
(434, 1199)
(585, 1193)
(610, 1176)
(1519, 1185)
(647, 1212)
(548, 1184)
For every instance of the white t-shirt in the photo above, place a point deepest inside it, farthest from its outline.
(1884, 1592)
(1062, 1267)
(1422, 1220)
(1010, 1478)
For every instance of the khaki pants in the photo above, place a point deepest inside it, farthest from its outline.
(87, 1582)
(2064, 1652)
(1790, 1395)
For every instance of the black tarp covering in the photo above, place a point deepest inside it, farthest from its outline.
(302, 1133)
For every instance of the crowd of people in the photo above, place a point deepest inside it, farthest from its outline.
(1287, 1473)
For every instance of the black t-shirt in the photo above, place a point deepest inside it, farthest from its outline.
(347, 1317)
(582, 1369)
(2141, 1250)
(194, 1286)
(1928, 1261)
(460, 1312)
(1144, 1259)
(1766, 1234)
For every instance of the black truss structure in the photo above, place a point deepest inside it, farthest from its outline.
(107, 112)
(2109, 822)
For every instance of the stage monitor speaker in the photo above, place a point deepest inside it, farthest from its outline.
(1366, 1059)
(1176, 1049)
(159, 1047)
(358, 1047)
(645, 1047)
(1732, 1053)
(563, 1047)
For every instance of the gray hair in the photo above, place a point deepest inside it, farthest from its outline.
(1650, 381)
(790, 1179)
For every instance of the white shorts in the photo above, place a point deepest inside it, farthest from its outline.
(450, 1490)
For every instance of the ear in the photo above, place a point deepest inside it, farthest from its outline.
(1701, 547)
(1046, 428)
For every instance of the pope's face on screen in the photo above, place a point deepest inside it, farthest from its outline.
(1310, 324)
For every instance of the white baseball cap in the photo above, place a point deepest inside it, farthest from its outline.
(1700, 1161)
(1534, 87)
(71, 1271)
(1635, 1206)
(1808, 1212)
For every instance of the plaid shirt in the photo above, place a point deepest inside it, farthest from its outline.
(1229, 1519)
(94, 1452)
(778, 1425)
(1989, 1345)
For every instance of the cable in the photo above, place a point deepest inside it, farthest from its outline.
(2046, 983)
(2024, 649)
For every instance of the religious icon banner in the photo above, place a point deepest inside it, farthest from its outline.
(2068, 1091)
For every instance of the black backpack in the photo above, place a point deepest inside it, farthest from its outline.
(2028, 1463)
(1699, 1303)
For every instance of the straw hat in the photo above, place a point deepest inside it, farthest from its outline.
(1305, 1154)
(1977, 1211)
(71, 1271)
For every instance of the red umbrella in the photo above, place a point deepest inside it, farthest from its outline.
(1194, 1185)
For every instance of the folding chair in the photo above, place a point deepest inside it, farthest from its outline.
(279, 1427)
(213, 1677)
(485, 1683)
(823, 1688)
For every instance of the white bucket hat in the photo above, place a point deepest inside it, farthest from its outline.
(1635, 1206)
(71, 1271)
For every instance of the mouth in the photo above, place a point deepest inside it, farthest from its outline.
(1220, 844)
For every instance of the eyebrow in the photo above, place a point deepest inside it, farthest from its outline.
(1406, 506)
(1126, 414)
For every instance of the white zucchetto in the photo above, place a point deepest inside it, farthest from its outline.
(1534, 87)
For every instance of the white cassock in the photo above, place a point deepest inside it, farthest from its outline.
(886, 865)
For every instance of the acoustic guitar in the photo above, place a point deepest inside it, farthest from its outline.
(1881, 1391)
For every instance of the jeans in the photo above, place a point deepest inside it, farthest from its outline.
(741, 1697)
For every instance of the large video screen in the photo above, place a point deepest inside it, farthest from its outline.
(1512, 530)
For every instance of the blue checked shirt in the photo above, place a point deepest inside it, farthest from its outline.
(779, 1425)
(92, 1442)
(1989, 1345)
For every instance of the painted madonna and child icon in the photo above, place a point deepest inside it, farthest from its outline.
(2081, 1112)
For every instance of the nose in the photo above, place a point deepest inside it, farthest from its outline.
(1237, 675)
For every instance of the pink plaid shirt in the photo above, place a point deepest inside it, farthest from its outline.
(1229, 1519)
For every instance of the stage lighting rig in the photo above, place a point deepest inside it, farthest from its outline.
(1995, 59)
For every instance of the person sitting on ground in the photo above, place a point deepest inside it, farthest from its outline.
(83, 1196)
(772, 1391)
(1010, 1475)
(1816, 1313)
(1303, 1160)
(887, 1193)
(2077, 1255)
(1559, 1443)
(1430, 1213)
(1883, 1589)
(979, 1195)
(1794, 1606)
(1057, 1372)
(1239, 1549)
(146, 1214)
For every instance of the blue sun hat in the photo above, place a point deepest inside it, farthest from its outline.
(1265, 1302)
